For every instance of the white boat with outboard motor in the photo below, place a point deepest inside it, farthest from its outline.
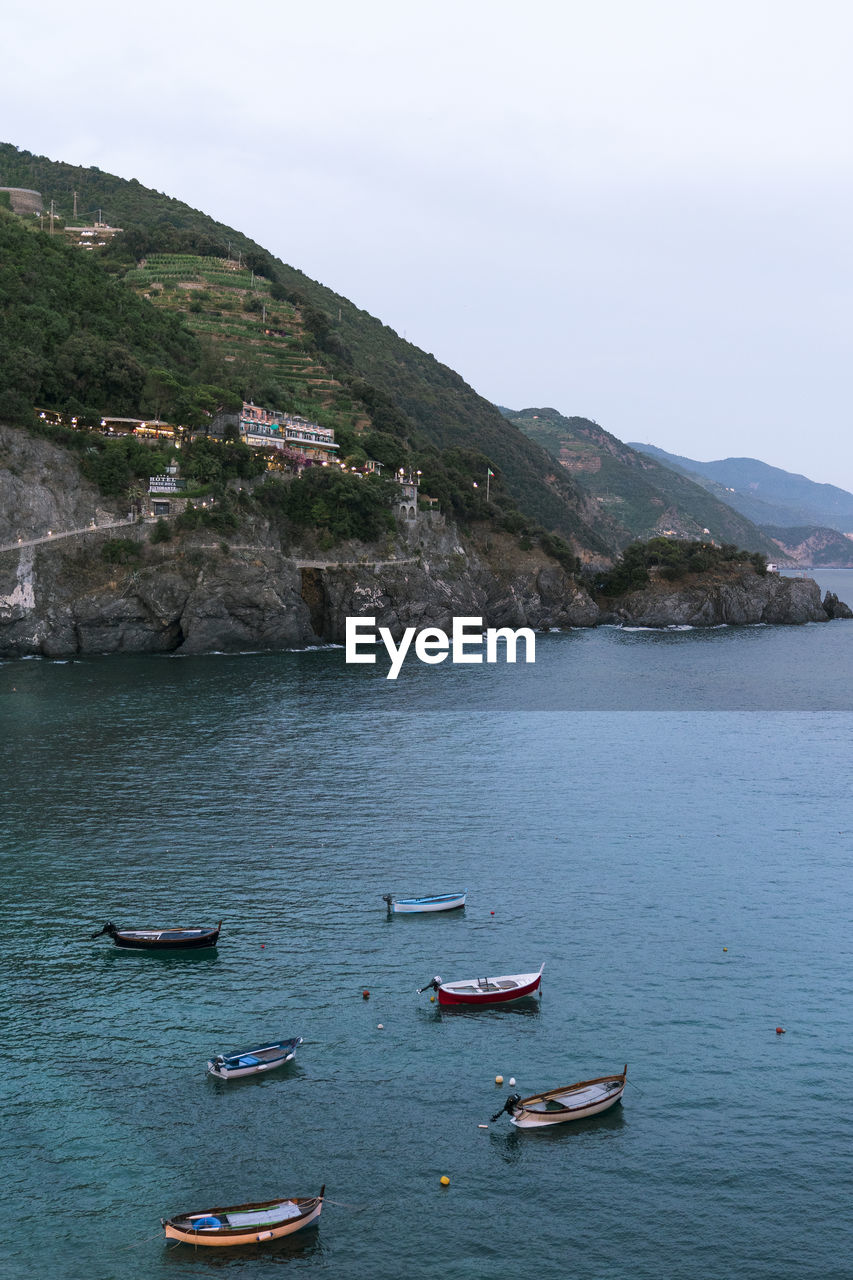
(571, 1102)
(250, 1062)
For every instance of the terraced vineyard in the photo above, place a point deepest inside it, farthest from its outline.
(263, 340)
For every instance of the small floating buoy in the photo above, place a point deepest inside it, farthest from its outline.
(780, 1031)
(365, 995)
(263, 945)
(491, 913)
(499, 1079)
(444, 1180)
(380, 1026)
(482, 1126)
(725, 948)
(512, 1080)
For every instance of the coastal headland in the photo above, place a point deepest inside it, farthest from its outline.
(77, 577)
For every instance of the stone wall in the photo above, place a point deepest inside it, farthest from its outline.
(23, 200)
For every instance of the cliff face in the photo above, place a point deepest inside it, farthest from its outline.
(41, 490)
(61, 594)
(742, 597)
(60, 599)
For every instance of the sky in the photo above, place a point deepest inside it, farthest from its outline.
(637, 211)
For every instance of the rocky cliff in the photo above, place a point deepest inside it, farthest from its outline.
(62, 593)
(740, 597)
(190, 595)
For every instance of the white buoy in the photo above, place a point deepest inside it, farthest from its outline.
(380, 1026)
(512, 1079)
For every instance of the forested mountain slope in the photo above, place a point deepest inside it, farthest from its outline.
(641, 497)
(410, 398)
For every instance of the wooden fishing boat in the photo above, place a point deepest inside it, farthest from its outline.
(441, 902)
(249, 1062)
(473, 991)
(245, 1223)
(162, 939)
(572, 1102)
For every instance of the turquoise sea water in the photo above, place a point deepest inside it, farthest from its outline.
(684, 873)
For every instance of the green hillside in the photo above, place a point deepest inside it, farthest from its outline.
(75, 337)
(406, 403)
(640, 497)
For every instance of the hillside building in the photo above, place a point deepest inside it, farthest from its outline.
(267, 428)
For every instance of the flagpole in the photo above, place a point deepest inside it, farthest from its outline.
(488, 479)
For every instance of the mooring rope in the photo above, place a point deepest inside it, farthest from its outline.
(144, 1240)
(342, 1204)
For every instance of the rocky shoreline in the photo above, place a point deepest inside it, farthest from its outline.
(61, 597)
(195, 596)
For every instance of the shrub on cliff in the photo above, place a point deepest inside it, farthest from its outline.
(339, 504)
(120, 551)
(672, 559)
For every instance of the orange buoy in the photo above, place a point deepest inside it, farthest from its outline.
(780, 1031)
(365, 995)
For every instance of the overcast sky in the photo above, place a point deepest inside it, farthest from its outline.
(634, 210)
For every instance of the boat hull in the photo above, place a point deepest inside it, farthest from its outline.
(164, 940)
(228, 1238)
(222, 1070)
(450, 993)
(576, 1102)
(448, 902)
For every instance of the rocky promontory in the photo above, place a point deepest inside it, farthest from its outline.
(740, 597)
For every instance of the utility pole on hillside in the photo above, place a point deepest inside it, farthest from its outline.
(51, 217)
(75, 206)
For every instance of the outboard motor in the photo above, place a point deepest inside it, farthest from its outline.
(509, 1106)
(432, 985)
(109, 928)
(386, 897)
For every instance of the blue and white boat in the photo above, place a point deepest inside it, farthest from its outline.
(442, 902)
(249, 1062)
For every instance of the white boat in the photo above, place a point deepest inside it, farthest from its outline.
(571, 1102)
(249, 1062)
(441, 902)
(245, 1223)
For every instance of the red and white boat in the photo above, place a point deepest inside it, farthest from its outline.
(511, 986)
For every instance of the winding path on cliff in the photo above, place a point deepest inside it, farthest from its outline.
(53, 538)
(66, 533)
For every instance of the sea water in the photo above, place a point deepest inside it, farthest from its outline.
(662, 817)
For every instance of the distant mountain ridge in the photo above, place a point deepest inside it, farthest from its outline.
(765, 494)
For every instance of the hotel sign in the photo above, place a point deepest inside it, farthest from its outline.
(165, 484)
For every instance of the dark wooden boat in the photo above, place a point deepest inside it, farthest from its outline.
(245, 1223)
(162, 939)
